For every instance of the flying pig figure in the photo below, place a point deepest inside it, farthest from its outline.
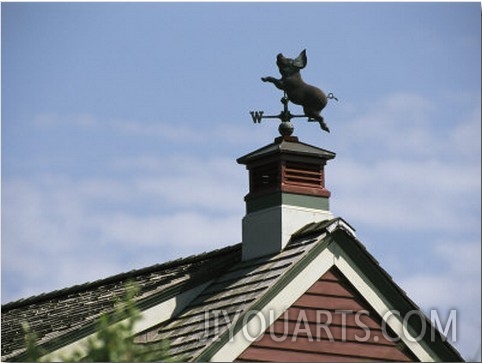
(311, 98)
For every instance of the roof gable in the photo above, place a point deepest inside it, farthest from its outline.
(390, 301)
(335, 246)
(329, 322)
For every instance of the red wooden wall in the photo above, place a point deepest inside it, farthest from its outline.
(331, 302)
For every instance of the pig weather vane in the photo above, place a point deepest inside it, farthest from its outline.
(311, 98)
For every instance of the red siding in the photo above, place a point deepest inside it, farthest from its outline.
(330, 322)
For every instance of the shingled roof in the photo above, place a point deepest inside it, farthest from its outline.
(61, 317)
(178, 299)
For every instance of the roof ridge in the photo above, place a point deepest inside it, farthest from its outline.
(262, 300)
(315, 228)
(117, 277)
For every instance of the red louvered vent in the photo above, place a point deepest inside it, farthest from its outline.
(302, 174)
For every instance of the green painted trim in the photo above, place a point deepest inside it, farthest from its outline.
(307, 201)
(280, 198)
(263, 202)
(285, 279)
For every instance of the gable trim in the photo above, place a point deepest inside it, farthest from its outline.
(377, 301)
(271, 305)
(357, 264)
(336, 247)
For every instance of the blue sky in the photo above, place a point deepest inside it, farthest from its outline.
(121, 124)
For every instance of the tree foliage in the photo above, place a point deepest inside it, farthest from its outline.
(113, 340)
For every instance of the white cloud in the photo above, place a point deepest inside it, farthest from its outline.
(60, 230)
(411, 126)
(399, 166)
(455, 286)
(56, 120)
(465, 138)
(176, 132)
(45, 240)
(215, 184)
(420, 195)
(181, 231)
(397, 124)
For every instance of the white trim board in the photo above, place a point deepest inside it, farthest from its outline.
(377, 302)
(282, 301)
(333, 255)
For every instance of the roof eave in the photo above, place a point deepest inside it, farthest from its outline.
(289, 148)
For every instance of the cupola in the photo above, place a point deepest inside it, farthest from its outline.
(286, 192)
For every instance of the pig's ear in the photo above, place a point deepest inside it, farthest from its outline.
(300, 61)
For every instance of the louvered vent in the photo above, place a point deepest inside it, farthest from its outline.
(264, 177)
(302, 174)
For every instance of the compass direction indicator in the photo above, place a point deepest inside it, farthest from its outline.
(257, 116)
(284, 115)
(286, 128)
